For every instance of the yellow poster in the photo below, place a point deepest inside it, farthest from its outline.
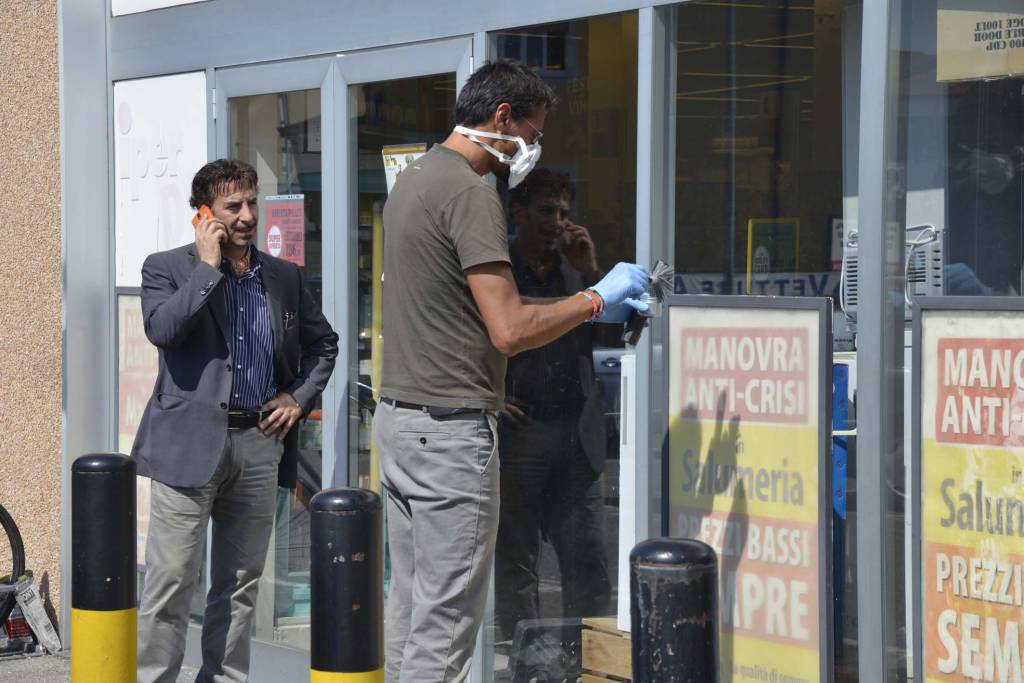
(979, 39)
(744, 453)
(972, 495)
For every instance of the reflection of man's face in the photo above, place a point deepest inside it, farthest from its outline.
(542, 221)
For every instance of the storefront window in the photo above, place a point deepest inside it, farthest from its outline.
(279, 134)
(959, 171)
(765, 199)
(956, 202)
(572, 219)
(761, 110)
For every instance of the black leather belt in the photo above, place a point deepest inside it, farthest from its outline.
(434, 411)
(244, 419)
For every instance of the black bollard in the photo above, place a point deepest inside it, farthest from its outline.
(673, 584)
(346, 587)
(103, 610)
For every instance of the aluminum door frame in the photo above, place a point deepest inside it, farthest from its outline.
(447, 55)
(269, 661)
(270, 79)
(352, 69)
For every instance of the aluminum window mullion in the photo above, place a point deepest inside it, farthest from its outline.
(876, 321)
(654, 180)
(88, 400)
(483, 50)
(335, 410)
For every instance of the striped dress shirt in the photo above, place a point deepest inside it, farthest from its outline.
(252, 337)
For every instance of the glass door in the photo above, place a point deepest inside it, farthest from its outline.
(392, 105)
(396, 121)
(271, 116)
(558, 531)
(395, 104)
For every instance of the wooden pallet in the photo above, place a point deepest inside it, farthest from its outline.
(607, 653)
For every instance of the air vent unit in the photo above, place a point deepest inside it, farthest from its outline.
(922, 267)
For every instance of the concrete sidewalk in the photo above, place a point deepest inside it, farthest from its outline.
(54, 669)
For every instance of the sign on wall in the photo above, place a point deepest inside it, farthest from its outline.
(770, 284)
(747, 474)
(969, 481)
(159, 143)
(979, 39)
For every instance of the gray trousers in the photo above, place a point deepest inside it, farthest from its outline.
(240, 499)
(441, 475)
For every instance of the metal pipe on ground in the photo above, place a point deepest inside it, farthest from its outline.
(346, 587)
(104, 615)
(673, 585)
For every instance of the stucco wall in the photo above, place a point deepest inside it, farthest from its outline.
(30, 278)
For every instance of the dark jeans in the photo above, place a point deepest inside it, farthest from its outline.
(548, 488)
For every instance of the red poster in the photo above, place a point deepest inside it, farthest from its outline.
(980, 391)
(137, 362)
(760, 374)
(285, 220)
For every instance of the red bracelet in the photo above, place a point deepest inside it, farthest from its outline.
(595, 306)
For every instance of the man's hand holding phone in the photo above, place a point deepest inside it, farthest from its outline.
(578, 247)
(210, 234)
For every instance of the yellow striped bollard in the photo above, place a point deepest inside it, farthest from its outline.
(346, 587)
(103, 609)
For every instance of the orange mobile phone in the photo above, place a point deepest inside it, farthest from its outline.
(204, 212)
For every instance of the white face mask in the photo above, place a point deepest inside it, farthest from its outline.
(520, 164)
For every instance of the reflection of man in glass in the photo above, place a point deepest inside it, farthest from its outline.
(552, 432)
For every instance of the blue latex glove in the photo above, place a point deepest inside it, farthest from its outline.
(624, 281)
(620, 312)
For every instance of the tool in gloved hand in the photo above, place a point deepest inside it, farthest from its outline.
(662, 275)
(624, 281)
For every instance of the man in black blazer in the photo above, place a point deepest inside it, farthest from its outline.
(244, 352)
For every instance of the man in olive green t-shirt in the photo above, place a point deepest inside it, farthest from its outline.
(452, 314)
